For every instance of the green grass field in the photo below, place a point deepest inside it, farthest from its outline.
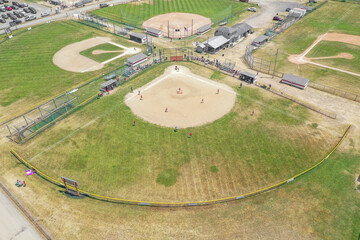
(135, 14)
(28, 74)
(104, 56)
(326, 49)
(112, 157)
(334, 17)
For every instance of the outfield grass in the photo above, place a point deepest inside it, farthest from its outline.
(326, 48)
(112, 157)
(27, 71)
(333, 17)
(104, 56)
(136, 14)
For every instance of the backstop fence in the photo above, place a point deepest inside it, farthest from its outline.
(181, 204)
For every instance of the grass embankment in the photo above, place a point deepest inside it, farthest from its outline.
(136, 14)
(28, 74)
(334, 17)
(103, 56)
(110, 156)
(327, 49)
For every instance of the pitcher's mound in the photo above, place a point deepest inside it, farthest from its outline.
(184, 107)
(177, 25)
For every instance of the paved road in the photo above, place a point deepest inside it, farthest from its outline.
(13, 225)
(64, 14)
(268, 11)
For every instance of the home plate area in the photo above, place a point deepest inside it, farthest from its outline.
(181, 98)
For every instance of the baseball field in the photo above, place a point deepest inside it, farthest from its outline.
(333, 17)
(138, 12)
(182, 131)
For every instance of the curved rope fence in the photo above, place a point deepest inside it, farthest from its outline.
(181, 204)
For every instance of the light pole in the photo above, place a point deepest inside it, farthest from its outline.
(276, 55)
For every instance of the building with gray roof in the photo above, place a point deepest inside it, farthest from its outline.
(295, 81)
(136, 59)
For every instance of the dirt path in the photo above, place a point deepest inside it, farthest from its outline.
(185, 109)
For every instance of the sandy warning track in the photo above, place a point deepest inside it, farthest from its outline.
(186, 23)
(186, 109)
(70, 59)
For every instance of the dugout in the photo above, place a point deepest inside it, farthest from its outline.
(248, 77)
(203, 29)
(154, 32)
(138, 37)
(136, 59)
(295, 81)
(108, 85)
(260, 40)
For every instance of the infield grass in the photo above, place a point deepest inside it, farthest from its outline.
(103, 56)
(136, 14)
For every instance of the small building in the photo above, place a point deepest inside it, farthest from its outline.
(138, 37)
(203, 29)
(109, 85)
(227, 32)
(295, 81)
(136, 59)
(154, 32)
(260, 40)
(201, 48)
(248, 77)
(243, 29)
(215, 44)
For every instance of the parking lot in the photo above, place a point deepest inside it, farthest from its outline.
(12, 12)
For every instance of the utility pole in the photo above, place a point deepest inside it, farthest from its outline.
(276, 55)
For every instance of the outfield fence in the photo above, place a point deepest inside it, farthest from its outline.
(180, 204)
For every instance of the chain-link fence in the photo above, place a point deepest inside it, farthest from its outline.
(335, 91)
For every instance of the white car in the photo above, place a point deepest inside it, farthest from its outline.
(45, 14)
(252, 9)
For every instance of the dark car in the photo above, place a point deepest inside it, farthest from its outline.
(6, 1)
(4, 16)
(32, 10)
(15, 3)
(14, 7)
(277, 18)
(102, 5)
(30, 18)
(26, 10)
(288, 9)
(2, 20)
(12, 17)
(13, 23)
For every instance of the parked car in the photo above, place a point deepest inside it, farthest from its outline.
(15, 3)
(6, 1)
(4, 16)
(45, 14)
(32, 10)
(1, 1)
(2, 20)
(13, 23)
(2, 9)
(30, 18)
(26, 10)
(14, 7)
(277, 18)
(79, 4)
(312, 1)
(288, 9)
(8, 8)
(252, 9)
(102, 5)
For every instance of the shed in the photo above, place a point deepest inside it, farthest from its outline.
(201, 48)
(216, 43)
(136, 59)
(203, 29)
(243, 29)
(138, 37)
(260, 40)
(109, 85)
(295, 81)
(248, 77)
(154, 32)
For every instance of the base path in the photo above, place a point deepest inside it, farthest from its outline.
(70, 59)
(177, 25)
(13, 225)
(185, 107)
